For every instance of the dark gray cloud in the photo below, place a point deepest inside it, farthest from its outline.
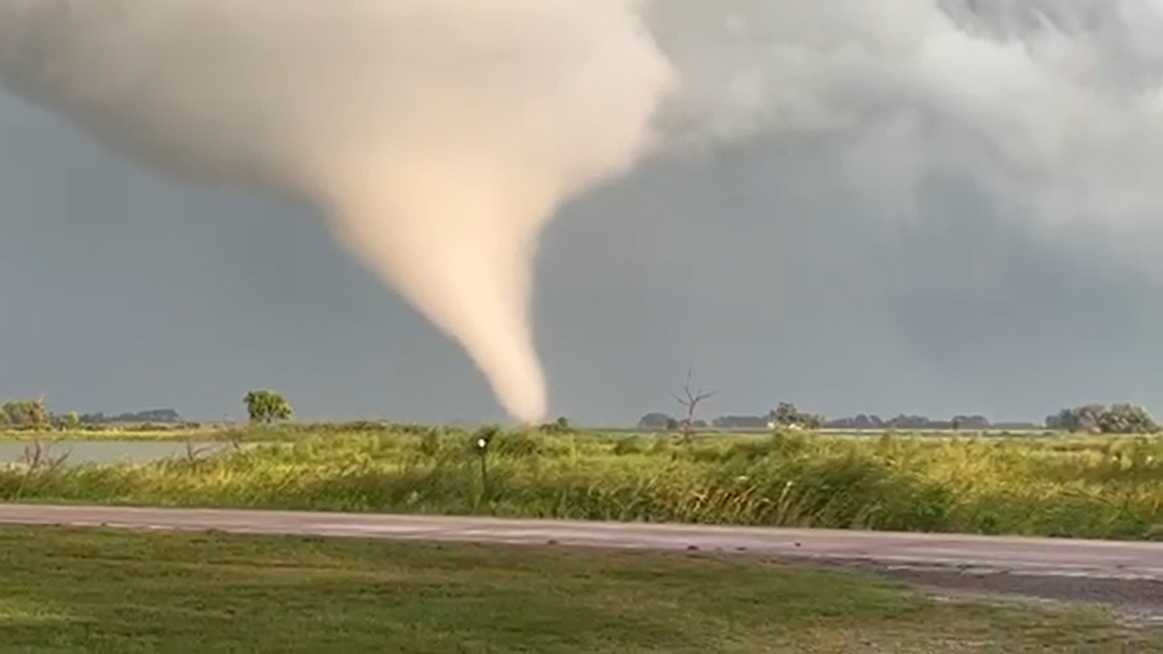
(930, 259)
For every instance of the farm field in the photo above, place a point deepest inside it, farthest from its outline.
(124, 591)
(1088, 487)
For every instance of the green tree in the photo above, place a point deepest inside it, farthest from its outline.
(1126, 419)
(559, 426)
(787, 415)
(1084, 418)
(267, 406)
(15, 412)
(1121, 418)
(71, 420)
(26, 414)
(657, 420)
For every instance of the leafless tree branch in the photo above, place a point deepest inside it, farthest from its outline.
(690, 399)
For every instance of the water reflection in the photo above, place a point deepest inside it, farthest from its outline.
(104, 452)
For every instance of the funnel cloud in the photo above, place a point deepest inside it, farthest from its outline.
(440, 137)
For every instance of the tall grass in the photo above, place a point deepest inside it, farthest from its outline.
(1094, 488)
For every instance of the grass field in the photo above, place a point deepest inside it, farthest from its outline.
(68, 590)
(1087, 487)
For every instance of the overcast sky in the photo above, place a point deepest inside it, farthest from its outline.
(837, 271)
(123, 290)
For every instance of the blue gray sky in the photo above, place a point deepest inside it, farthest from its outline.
(841, 271)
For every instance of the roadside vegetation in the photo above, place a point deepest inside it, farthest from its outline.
(123, 591)
(1088, 475)
(1091, 487)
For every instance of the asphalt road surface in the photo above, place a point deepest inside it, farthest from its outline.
(1057, 557)
(1123, 574)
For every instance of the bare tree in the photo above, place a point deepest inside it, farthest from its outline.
(690, 399)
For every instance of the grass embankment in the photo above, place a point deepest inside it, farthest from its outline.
(1090, 488)
(124, 592)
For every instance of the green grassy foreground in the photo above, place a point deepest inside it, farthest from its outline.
(67, 590)
(1094, 488)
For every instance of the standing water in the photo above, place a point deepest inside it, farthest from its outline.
(106, 452)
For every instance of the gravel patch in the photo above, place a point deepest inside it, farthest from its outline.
(1134, 602)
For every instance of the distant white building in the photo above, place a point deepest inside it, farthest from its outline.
(771, 425)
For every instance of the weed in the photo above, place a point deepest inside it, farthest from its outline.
(1089, 487)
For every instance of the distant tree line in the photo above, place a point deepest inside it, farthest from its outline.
(1091, 418)
(266, 407)
(34, 414)
(262, 406)
(160, 416)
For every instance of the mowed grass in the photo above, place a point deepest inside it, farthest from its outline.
(1069, 487)
(72, 590)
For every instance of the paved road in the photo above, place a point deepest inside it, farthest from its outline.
(972, 554)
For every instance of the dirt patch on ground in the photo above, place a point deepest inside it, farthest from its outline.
(1135, 602)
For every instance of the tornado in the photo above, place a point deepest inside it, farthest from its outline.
(438, 137)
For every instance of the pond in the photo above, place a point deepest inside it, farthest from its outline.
(101, 452)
